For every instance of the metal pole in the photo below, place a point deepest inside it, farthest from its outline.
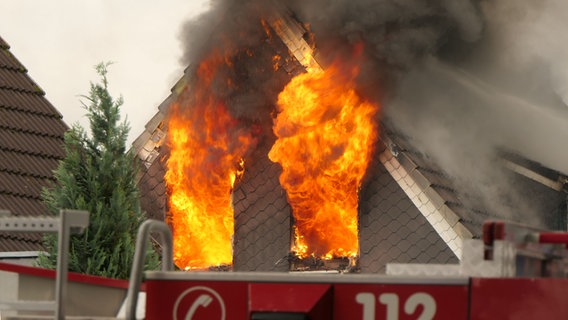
(62, 266)
(140, 256)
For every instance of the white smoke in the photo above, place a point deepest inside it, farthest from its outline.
(508, 94)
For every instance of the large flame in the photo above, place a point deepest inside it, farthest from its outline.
(326, 134)
(207, 147)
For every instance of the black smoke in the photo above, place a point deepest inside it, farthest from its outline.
(462, 79)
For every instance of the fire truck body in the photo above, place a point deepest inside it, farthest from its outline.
(208, 295)
(510, 274)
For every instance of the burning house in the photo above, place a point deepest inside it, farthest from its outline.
(283, 148)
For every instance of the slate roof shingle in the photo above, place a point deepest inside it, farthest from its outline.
(31, 144)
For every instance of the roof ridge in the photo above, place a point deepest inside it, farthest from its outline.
(18, 65)
(4, 44)
(23, 70)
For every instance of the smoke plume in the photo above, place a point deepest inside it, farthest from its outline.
(507, 93)
(463, 79)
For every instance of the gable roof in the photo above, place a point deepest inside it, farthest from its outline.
(418, 212)
(31, 144)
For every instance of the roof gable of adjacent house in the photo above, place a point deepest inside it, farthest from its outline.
(31, 145)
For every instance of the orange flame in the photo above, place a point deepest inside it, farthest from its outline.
(326, 134)
(207, 147)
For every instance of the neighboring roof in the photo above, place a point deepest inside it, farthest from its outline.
(31, 144)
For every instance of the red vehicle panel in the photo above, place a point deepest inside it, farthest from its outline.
(396, 301)
(519, 299)
(196, 300)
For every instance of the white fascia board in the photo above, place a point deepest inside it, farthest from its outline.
(445, 223)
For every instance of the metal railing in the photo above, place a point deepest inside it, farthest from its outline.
(140, 257)
(69, 221)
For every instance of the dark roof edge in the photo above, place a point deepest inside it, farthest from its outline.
(5, 46)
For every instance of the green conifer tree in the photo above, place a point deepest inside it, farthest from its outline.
(98, 175)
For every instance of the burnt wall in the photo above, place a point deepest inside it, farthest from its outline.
(262, 217)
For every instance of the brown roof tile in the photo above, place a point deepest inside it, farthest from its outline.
(26, 164)
(37, 144)
(17, 80)
(31, 122)
(22, 206)
(8, 61)
(31, 144)
(3, 44)
(21, 185)
(21, 241)
(33, 103)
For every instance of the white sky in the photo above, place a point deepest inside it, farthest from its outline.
(60, 41)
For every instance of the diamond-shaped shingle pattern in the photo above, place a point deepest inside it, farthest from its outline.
(392, 229)
(262, 217)
(430, 204)
(153, 190)
(31, 144)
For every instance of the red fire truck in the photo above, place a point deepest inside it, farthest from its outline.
(514, 272)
